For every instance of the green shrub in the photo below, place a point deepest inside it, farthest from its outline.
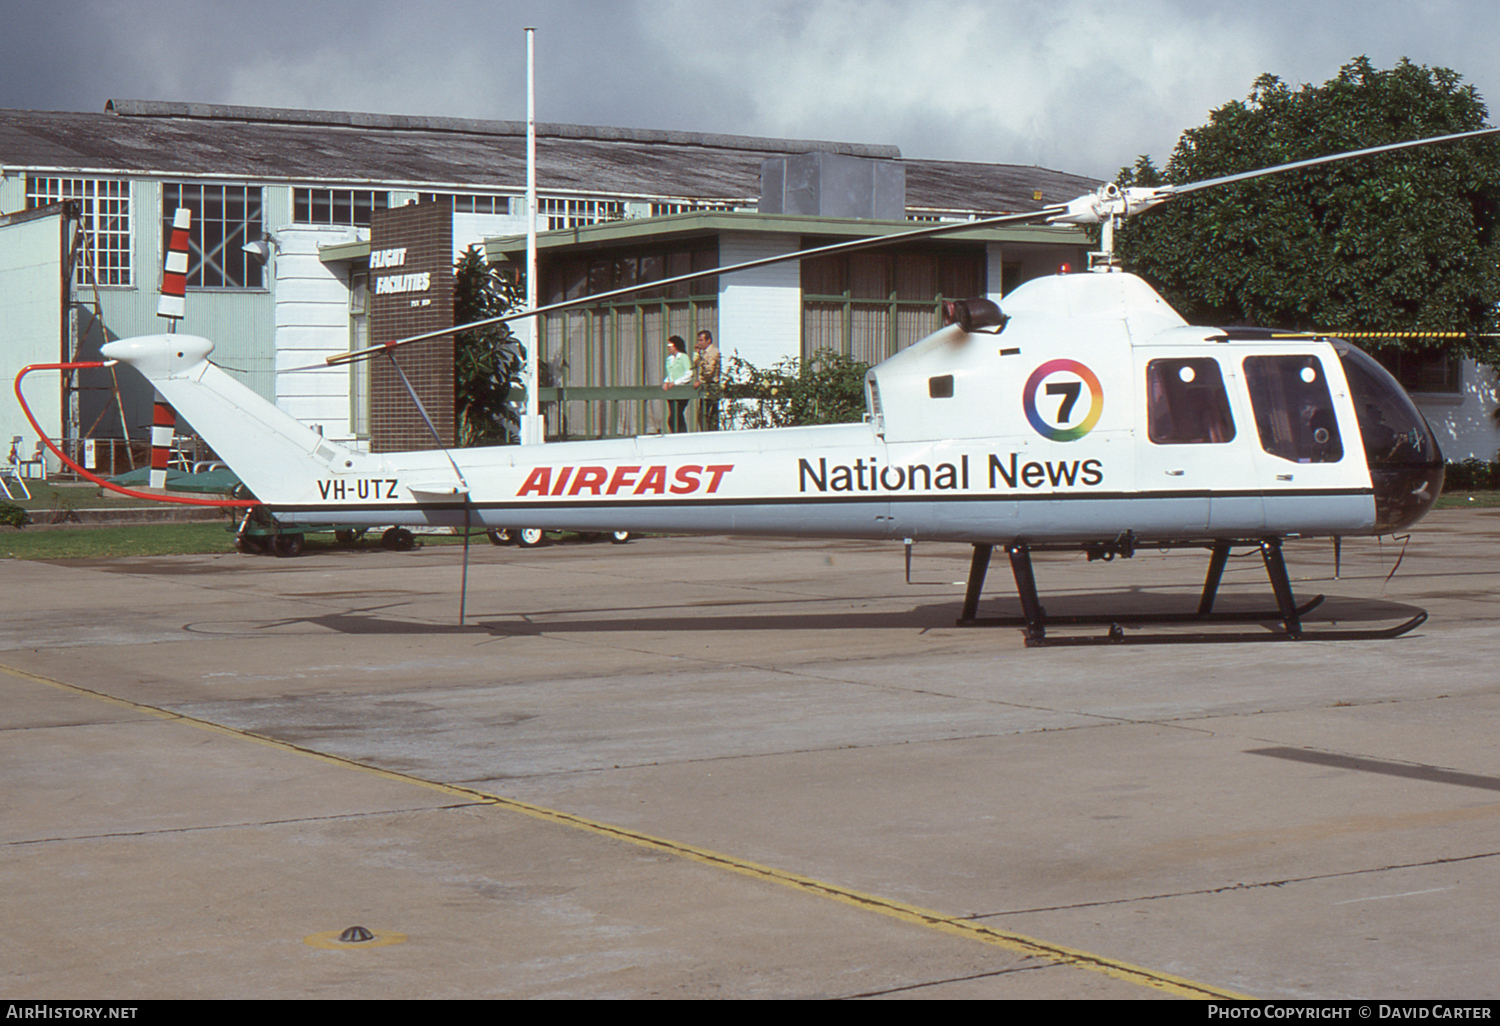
(1472, 475)
(12, 516)
(827, 389)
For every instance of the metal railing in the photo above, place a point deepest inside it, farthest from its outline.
(115, 456)
(618, 411)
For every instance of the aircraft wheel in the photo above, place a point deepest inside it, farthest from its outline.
(529, 537)
(346, 537)
(286, 545)
(398, 539)
(498, 537)
(250, 545)
(619, 537)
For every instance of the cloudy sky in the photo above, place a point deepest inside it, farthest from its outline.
(1077, 85)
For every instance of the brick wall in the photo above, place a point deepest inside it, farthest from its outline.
(411, 292)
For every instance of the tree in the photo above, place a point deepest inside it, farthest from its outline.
(487, 361)
(1396, 242)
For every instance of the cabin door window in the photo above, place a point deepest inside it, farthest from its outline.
(1293, 408)
(1186, 403)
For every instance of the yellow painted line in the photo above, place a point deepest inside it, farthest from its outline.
(1014, 942)
(1377, 334)
(271, 742)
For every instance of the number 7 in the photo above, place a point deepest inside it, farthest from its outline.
(1069, 391)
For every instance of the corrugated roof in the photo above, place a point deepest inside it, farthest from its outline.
(1001, 188)
(709, 224)
(157, 139)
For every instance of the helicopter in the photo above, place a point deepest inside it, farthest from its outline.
(1086, 415)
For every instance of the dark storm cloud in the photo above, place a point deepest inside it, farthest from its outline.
(1079, 86)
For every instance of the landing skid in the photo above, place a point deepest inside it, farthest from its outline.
(1035, 621)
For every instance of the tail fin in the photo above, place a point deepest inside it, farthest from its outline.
(277, 458)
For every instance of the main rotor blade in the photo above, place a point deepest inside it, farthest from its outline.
(802, 254)
(1208, 183)
(1113, 202)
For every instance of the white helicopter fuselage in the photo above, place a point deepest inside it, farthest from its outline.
(1094, 413)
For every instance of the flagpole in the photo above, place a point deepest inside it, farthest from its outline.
(532, 431)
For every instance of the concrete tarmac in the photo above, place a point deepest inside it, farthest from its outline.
(743, 768)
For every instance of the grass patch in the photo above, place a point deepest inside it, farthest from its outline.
(1468, 500)
(46, 496)
(108, 542)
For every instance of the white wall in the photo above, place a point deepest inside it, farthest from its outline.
(994, 270)
(473, 229)
(312, 317)
(31, 316)
(312, 323)
(1464, 422)
(760, 310)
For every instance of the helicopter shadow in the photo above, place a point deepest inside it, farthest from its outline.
(1146, 603)
(375, 620)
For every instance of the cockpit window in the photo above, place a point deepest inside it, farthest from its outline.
(1293, 408)
(1185, 402)
(1394, 431)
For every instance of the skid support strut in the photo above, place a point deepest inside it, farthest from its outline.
(978, 567)
(1035, 621)
(1281, 584)
(1215, 574)
(1031, 603)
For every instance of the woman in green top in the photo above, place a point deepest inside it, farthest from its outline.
(679, 372)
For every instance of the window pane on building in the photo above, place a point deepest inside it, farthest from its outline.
(359, 338)
(1423, 370)
(104, 205)
(916, 276)
(869, 334)
(225, 218)
(914, 323)
(869, 306)
(662, 209)
(823, 276)
(703, 260)
(870, 276)
(823, 327)
(477, 203)
(574, 213)
(348, 207)
(960, 277)
(652, 268)
(621, 343)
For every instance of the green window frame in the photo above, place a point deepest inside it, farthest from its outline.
(621, 344)
(872, 305)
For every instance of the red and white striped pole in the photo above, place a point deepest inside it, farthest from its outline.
(173, 306)
(163, 428)
(173, 301)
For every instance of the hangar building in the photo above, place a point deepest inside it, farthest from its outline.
(307, 184)
(85, 199)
